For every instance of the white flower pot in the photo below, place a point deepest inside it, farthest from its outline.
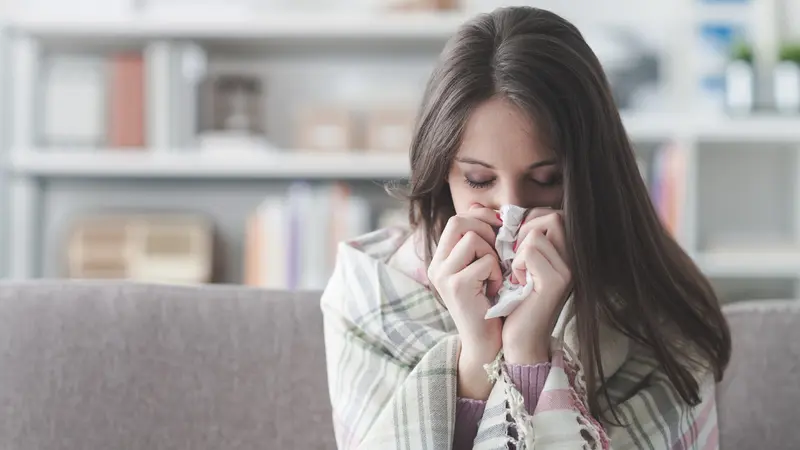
(739, 87)
(787, 87)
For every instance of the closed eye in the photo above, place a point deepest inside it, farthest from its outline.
(552, 181)
(479, 184)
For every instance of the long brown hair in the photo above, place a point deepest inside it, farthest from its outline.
(627, 268)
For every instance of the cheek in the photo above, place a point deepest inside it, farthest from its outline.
(553, 198)
(463, 195)
(537, 197)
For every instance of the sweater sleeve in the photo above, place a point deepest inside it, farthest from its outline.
(529, 380)
(468, 415)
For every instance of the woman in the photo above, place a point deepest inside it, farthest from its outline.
(621, 339)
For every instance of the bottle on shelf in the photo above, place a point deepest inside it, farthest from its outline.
(787, 80)
(232, 113)
(740, 80)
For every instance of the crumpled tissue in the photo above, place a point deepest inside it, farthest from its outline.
(510, 294)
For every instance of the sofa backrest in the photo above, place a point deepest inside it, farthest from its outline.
(96, 365)
(113, 366)
(759, 398)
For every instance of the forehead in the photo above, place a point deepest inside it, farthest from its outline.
(499, 131)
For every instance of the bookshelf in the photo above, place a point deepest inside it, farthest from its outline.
(737, 194)
(757, 264)
(110, 163)
(281, 26)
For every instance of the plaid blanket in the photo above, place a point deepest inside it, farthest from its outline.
(392, 358)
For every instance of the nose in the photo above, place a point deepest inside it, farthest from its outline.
(509, 194)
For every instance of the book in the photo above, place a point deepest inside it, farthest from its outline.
(74, 101)
(126, 96)
(667, 188)
(292, 240)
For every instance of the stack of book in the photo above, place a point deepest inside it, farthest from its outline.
(667, 183)
(291, 241)
(94, 101)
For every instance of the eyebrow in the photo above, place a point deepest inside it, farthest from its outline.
(546, 162)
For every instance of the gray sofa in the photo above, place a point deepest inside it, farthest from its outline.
(131, 366)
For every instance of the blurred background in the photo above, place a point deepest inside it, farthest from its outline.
(236, 141)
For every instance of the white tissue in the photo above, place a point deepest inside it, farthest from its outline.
(510, 294)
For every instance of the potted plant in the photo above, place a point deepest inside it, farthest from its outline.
(787, 79)
(740, 79)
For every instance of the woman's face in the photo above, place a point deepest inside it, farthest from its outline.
(502, 161)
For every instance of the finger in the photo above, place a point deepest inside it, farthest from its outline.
(465, 252)
(546, 247)
(485, 214)
(548, 222)
(486, 269)
(536, 215)
(532, 261)
(457, 226)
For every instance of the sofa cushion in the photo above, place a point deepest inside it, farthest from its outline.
(107, 365)
(760, 394)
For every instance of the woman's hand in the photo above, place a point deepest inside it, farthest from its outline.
(465, 269)
(541, 251)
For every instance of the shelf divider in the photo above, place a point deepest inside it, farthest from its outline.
(25, 56)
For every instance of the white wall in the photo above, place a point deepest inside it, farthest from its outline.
(792, 15)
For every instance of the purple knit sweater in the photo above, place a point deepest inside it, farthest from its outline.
(529, 380)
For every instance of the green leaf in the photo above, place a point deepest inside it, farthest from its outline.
(790, 52)
(742, 51)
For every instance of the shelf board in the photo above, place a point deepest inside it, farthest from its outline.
(767, 128)
(113, 163)
(753, 264)
(755, 128)
(725, 12)
(650, 127)
(398, 26)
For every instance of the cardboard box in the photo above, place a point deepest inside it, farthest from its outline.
(424, 5)
(390, 130)
(325, 129)
(149, 248)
